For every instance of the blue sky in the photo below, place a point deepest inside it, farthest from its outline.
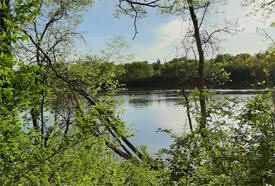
(159, 35)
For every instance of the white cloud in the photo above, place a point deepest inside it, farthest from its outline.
(167, 37)
(247, 40)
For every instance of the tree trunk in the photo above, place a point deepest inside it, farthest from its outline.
(188, 110)
(4, 14)
(200, 69)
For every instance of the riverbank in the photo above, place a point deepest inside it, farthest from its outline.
(176, 91)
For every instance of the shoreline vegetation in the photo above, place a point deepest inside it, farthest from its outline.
(219, 91)
(225, 71)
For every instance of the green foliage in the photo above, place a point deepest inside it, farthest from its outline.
(89, 163)
(79, 157)
(262, 7)
(238, 149)
(98, 74)
(48, 132)
(224, 71)
(179, 70)
(136, 72)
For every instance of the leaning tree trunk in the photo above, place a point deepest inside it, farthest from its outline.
(113, 130)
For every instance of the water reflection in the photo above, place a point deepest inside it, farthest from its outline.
(146, 111)
(140, 102)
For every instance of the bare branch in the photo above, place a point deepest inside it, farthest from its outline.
(265, 34)
(212, 34)
(51, 21)
(135, 18)
(151, 4)
(134, 5)
(203, 16)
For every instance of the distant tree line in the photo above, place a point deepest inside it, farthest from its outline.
(223, 71)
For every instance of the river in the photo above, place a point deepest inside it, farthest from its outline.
(147, 110)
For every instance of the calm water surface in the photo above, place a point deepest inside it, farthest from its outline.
(147, 110)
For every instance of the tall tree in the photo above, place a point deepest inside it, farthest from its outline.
(197, 12)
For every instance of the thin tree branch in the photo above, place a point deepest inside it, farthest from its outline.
(212, 34)
(204, 13)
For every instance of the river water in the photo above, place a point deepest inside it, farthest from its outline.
(147, 110)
